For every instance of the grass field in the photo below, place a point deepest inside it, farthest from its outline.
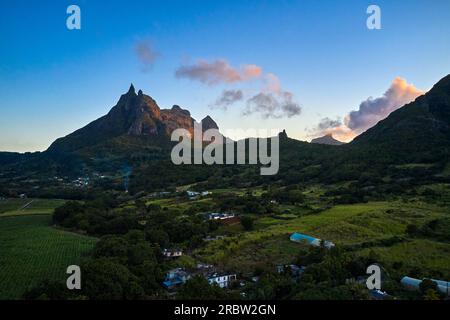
(344, 225)
(31, 250)
(14, 207)
(431, 256)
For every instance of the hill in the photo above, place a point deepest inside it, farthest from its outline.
(417, 132)
(327, 139)
(411, 144)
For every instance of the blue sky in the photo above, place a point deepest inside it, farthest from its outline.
(54, 81)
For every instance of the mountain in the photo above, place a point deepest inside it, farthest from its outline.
(135, 115)
(327, 139)
(417, 132)
(136, 134)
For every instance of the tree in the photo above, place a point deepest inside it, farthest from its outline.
(105, 279)
(247, 222)
(431, 294)
(429, 290)
(50, 290)
(111, 246)
(272, 286)
(198, 288)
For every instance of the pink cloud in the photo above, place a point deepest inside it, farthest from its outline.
(218, 71)
(370, 111)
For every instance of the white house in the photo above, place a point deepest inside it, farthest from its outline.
(222, 281)
(220, 216)
(192, 194)
(172, 253)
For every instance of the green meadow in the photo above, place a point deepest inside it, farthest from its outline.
(352, 226)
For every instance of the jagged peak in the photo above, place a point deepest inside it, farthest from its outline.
(132, 89)
(208, 123)
(176, 109)
(207, 118)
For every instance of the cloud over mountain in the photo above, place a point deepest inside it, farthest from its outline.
(218, 71)
(370, 111)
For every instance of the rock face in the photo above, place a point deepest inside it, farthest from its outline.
(208, 123)
(177, 118)
(327, 139)
(135, 115)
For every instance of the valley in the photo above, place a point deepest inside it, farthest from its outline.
(142, 227)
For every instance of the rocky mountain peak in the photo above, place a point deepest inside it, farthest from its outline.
(135, 115)
(132, 90)
(208, 123)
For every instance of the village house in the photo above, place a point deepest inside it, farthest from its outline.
(176, 277)
(220, 216)
(192, 194)
(378, 294)
(195, 194)
(211, 238)
(204, 266)
(222, 280)
(172, 253)
(294, 270)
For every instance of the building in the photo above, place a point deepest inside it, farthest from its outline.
(220, 216)
(414, 284)
(378, 294)
(294, 270)
(204, 266)
(222, 281)
(172, 253)
(192, 194)
(176, 277)
(299, 237)
(210, 238)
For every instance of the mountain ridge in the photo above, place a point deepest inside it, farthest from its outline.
(133, 115)
(327, 139)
